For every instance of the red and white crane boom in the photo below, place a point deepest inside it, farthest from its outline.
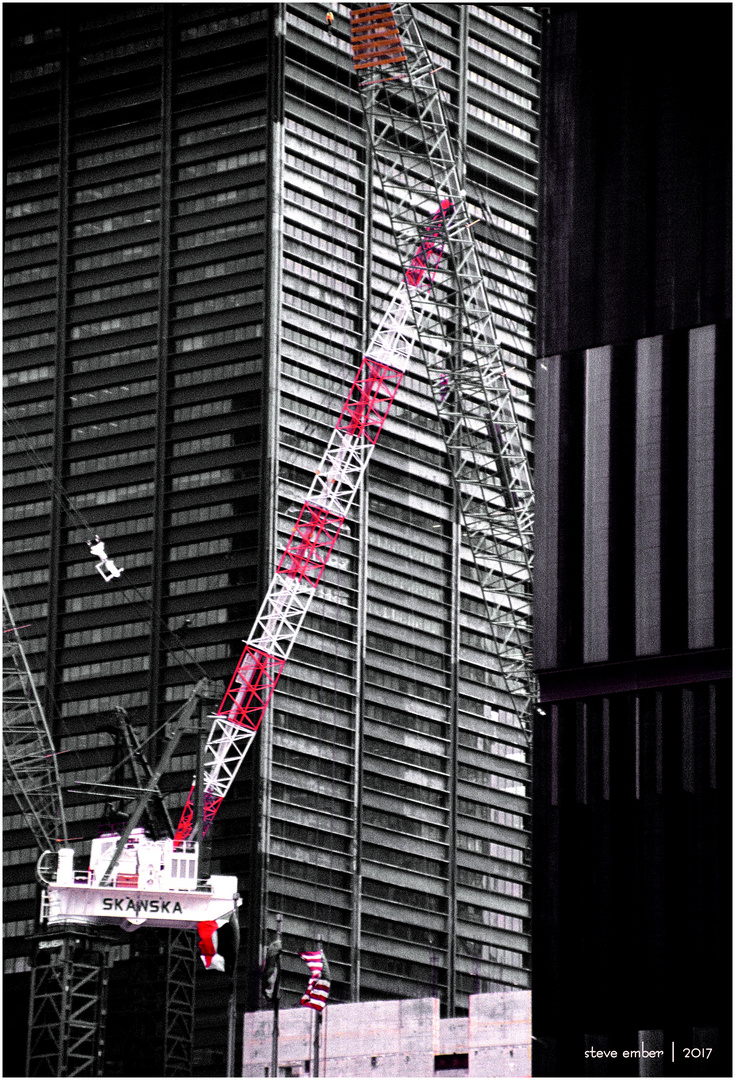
(333, 489)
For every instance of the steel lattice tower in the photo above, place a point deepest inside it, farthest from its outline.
(472, 380)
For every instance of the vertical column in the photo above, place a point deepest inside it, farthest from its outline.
(546, 539)
(597, 436)
(160, 478)
(455, 578)
(648, 497)
(57, 513)
(363, 555)
(269, 455)
(700, 494)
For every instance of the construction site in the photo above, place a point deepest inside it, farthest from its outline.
(277, 436)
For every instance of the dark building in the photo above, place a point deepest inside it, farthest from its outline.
(632, 751)
(194, 250)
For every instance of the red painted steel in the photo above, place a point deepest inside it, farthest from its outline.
(251, 688)
(310, 544)
(212, 804)
(429, 252)
(369, 399)
(244, 703)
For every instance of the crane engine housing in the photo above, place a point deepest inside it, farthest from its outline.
(153, 883)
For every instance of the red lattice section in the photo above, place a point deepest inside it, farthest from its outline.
(251, 688)
(374, 37)
(431, 248)
(184, 829)
(369, 400)
(310, 544)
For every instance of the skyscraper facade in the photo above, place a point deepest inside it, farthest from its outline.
(195, 253)
(632, 619)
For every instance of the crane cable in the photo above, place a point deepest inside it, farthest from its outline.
(65, 502)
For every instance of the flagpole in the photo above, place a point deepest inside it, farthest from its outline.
(317, 1024)
(276, 997)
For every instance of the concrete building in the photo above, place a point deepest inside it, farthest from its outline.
(632, 755)
(397, 1038)
(193, 252)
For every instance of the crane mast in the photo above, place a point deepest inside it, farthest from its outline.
(29, 755)
(333, 489)
(473, 383)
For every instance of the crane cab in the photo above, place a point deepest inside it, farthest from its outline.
(154, 882)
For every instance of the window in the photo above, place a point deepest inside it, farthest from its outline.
(98, 634)
(217, 337)
(24, 510)
(112, 461)
(488, 883)
(120, 187)
(37, 206)
(140, 45)
(212, 202)
(26, 577)
(488, 779)
(113, 427)
(218, 235)
(489, 813)
(110, 292)
(114, 359)
(100, 600)
(28, 375)
(502, 58)
(112, 495)
(109, 393)
(120, 152)
(202, 513)
(32, 341)
(473, 913)
(124, 665)
(493, 953)
(120, 221)
(35, 172)
(220, 165)
(480, 846)
(110, 326)
(22, 243)
(29, 408)
(216, 131)
(204, 547)
(201, 584)
(226, 302)
(114, 258)
(454, 1062)
(33, 273)
(219, 25)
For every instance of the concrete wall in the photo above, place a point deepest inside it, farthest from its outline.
(396, 1038)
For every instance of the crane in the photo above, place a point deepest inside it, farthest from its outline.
(134, 880)
(440, 304)
(472, 382)
(29, 755)
(70, 975)
(333, 489)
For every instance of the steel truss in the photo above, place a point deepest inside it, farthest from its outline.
(67, 1015)
(179, 1003)
(472, 381)
(329, 500)
(29, 755)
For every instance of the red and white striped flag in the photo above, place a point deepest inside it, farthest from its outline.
(317, 991)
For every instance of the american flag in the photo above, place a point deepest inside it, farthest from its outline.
(317, 991)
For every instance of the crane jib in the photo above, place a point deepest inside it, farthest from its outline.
(313, 537)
